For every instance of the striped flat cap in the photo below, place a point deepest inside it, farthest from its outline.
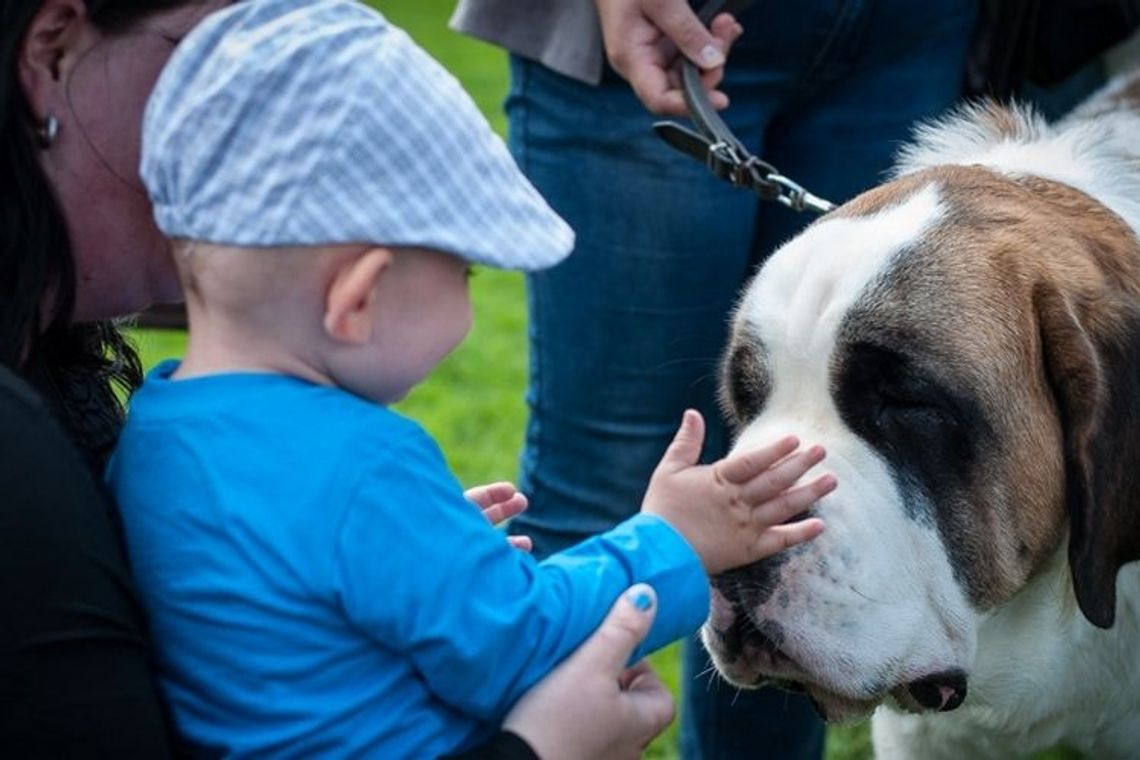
(314, 122)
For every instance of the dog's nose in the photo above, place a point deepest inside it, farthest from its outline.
(942, 691)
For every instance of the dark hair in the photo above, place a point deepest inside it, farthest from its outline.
(80, 368)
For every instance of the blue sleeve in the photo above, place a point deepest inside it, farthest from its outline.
(424, 575)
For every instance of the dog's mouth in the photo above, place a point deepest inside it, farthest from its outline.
(751, 654)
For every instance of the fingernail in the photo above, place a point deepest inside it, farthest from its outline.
(640, 599)
(711, 57)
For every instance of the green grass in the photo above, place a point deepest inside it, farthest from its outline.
(473, 403)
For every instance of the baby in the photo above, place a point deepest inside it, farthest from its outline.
(317, 582)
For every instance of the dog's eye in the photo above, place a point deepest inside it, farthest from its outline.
(745, 383)
(908, 408)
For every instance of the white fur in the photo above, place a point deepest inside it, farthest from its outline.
(1043, 674)
(873, 601)
(1096, 149)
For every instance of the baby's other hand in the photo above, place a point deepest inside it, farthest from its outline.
(501, 501)
(733, 512)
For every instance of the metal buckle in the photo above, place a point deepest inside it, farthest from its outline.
(723, 154)
(795, 197)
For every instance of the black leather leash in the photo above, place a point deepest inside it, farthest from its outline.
(715, 145)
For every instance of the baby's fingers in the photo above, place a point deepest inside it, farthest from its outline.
(795, 501)
(522, 543)
(492, 493)
(741, 468)
(783, 475)
(505, 510)
(782, 537)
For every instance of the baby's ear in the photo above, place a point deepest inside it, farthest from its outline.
(351, 297)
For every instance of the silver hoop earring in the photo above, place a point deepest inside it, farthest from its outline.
(48, 131)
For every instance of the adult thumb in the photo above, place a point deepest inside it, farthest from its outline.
(627, 624)
(677, 21)
(685, 449)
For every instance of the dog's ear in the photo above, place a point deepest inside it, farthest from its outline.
(1091, 351)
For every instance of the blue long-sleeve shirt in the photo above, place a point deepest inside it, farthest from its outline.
(317, 584)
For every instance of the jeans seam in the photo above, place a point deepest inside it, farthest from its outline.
(532, 445)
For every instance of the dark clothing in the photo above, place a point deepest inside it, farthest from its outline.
(74, 673)
(1043, 42)
(79, 394)
(503, 746)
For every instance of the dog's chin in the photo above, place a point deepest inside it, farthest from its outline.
(760, 663)
(837, 708)
(831, 706)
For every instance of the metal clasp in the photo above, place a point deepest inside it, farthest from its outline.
(795, 197)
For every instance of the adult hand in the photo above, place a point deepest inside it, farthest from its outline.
(592, 705)
(501, 501)
(645, 40)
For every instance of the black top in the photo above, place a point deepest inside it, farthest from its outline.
(503, 746)
(75, 675)
(74, 672)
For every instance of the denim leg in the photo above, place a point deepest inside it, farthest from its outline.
(626, 333)
(721, 722)
(888, 65)
(898, 64)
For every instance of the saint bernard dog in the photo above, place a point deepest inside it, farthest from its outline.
(965, 341)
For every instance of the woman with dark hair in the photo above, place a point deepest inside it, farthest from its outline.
(79, 247)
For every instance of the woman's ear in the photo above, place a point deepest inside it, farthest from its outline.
(56, 37)
(351, 297)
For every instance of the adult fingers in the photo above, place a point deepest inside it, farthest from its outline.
(678, 22)
(649, 699)
(725, 29)
(609, 648)
(650, 82)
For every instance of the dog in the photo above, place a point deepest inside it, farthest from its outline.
(965, 341)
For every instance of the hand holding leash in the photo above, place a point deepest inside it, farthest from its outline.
(646, 39)
(716, 145)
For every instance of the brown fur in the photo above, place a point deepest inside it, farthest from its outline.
(1001, 243)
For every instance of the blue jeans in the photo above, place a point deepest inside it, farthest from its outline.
(627, 332)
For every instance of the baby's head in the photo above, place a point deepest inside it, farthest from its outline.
(323, 177)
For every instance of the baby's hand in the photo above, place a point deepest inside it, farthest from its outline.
(501, 501)
(732, 511)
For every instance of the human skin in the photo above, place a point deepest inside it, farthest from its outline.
(645, 39)
(96, 85)
(742, 508)
(593, 705)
